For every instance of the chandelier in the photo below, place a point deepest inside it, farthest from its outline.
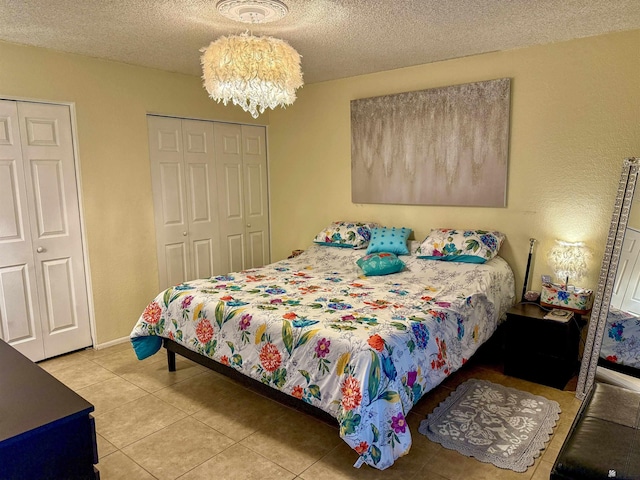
(255, 73)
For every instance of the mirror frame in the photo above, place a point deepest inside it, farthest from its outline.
(613, 248)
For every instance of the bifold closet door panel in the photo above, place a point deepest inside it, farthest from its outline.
(229, 170)
(19, 309)
(256, 196)
(54, 212)
(183, 174)
(202, 201)
(169, 200)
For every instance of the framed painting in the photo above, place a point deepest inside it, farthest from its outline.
(441, 146)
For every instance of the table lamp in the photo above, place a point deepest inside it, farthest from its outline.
(568, 261)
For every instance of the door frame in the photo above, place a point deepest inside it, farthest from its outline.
(83, 234)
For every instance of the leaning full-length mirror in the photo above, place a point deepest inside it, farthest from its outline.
(612, 347)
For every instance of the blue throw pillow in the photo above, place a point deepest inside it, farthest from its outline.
(382, 263)
(393, 240)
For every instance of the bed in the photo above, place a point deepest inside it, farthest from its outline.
(361, 349)
(621, 342)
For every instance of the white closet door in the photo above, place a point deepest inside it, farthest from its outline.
(202, 199)
(228, 144)
(631, 298)
(19, 312)
(626, 268)
(169, 200)
(51, 187)
(256, 198)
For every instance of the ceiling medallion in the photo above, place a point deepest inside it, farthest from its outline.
(252, 11)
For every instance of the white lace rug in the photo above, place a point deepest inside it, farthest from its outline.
(494, 424)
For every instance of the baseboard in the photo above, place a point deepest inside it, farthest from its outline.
(111, 343)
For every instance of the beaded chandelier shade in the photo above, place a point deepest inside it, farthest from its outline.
(255, 73)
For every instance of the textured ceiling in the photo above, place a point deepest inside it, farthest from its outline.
(336, 38)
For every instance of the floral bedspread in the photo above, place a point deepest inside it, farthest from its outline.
(621, 342)
(363, 349)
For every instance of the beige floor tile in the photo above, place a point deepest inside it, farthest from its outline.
(129, 423)
(427, 475)
(472, 370)
(455, 466)
(155, 376)
(238, 416)
(447, 463)
(486, 471)
(63, 361)
(238, 463)
(118, 466)
(431, 400)
(110, 394)
(104, 447)
(275, 442)
(178, 448)
(82, 375)
(338, 463)
(201, 390)
(543, 472)
(296, 443)
(94, 353)
(122, 361)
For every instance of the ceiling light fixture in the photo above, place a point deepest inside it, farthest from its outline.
(255, 73)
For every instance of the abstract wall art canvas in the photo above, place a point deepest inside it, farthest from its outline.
(442, 146)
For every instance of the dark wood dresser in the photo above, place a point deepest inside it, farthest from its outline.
(46, 429)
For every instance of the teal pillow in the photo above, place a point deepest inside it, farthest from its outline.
(393, 240)
(382, 263)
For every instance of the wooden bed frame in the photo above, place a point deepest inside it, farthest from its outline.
(491, 351)
(255, 385)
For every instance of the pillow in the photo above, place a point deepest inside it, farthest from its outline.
(394, 240)
(382, 263)
(346, 234)
(469, 246)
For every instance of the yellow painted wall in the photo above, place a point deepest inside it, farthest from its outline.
(111, 101)
(575, 114)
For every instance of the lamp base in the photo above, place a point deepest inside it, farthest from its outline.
(574, 299)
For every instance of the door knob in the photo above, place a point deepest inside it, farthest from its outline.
(184, 234)
(248, 225)
(39, 249)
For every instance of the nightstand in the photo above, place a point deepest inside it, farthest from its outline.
(541, 350)
(295, 253)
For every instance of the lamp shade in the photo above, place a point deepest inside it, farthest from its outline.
(255, 73)
(569, 260)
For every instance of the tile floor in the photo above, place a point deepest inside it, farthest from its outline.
(194, 424)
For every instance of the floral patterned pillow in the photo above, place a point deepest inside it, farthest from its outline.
(469, 246)
(346, 234)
